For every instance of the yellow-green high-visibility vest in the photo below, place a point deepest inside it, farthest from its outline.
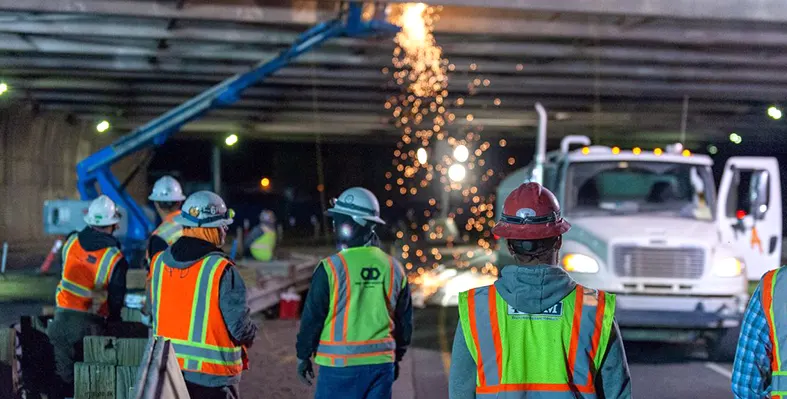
(262, 248)
(168, 230)
(365, 284)
(774, 296)
(553, 354)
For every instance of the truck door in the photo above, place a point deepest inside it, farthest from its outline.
(749, 212)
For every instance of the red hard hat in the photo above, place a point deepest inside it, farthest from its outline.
(531, 212)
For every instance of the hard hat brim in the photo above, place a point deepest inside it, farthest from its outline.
(179, 219)
(350, 212)
(177, 198)
(512, 231)
(108, 222)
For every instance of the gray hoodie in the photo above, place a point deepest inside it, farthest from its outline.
(533, 289)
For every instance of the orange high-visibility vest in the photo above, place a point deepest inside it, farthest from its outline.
(185, 310)
(774, 295)
(168, 230)
(85, 277)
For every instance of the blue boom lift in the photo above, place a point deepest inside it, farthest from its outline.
(96, 167)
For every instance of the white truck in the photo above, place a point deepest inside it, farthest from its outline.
(650, 227)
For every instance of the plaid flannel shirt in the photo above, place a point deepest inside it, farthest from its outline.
(751, 372)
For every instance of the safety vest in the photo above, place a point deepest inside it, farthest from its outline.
(554, 354)
(185, 310)
(364, 285)
(168, 230)
(774, 296)
(85, 276)
(262, 248)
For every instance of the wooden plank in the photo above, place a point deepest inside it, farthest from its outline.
(9, 367)
(130, 351)
(131, 315)
(136, 279)
(125, 379)
(159, 376)
(100, 350)
(94, 381)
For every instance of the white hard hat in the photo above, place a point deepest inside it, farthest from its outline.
(102, 212)
(359, 203)
(167, 189)
(204, 209)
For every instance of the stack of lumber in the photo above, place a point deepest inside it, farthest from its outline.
(109, 370)
(159, 374)
(9, 367)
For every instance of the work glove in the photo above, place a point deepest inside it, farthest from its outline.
(396, 371)
(305, 371)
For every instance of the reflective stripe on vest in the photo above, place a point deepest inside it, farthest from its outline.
(774, 291)
(368, 343)
(501, 361)
(190, 336)
(77, 289)
(169, 231)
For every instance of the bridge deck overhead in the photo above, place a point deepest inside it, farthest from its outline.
(620, 69)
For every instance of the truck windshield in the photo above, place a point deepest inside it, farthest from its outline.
(631, 187)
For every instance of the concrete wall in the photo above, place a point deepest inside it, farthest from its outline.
(38, 155)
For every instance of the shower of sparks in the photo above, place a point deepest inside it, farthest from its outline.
(431, 132)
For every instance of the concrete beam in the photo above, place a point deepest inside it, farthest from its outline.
(738, 10)
(523, 85)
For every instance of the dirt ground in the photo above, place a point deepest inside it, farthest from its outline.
(272, 364)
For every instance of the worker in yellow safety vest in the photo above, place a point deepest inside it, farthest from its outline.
(261, 241)
(167, 195)
(92, 288)
(358, 313)
(536, 333)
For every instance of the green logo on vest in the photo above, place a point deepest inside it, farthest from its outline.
(555, 310)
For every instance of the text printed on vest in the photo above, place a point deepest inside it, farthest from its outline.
(555, 310)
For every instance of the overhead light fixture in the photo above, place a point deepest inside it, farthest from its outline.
(774, 112)
(265, 182)
(461, 153)
(421, 155)
(712, 149)
(3, 88)
(231, 140)
(102, 126)
(735, 138)
(457, 172)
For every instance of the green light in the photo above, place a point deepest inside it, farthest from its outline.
(775, 112)
(102, 127)
(231, 140)
(735, 138)
(3, 88)
(712, 149)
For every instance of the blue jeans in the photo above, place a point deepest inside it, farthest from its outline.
(355, 382)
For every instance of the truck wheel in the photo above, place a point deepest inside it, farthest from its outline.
(722, 348)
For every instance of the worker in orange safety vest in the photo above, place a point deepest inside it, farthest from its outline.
(198, 300)
(536, 333)
(92, 287)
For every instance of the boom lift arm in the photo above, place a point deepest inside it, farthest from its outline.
(96, 168)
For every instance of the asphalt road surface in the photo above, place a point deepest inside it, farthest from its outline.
(657, 370)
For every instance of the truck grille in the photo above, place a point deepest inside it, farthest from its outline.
(633, 261)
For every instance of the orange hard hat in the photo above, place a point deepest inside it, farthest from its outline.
(531, 212)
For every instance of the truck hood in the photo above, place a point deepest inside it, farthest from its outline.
(606, 228)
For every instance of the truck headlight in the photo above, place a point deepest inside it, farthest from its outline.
(728, 267)
(580, 263)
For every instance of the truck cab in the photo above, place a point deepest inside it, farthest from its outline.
(651, 227)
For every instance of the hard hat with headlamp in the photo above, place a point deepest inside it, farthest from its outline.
(355, 215)
(531, 220)
(204, 209)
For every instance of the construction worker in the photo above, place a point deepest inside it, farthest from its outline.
(358, 314)
(535, 332)
(167, 196)
(758, 370)
(198, 300)
(92, 287)
(262, 239)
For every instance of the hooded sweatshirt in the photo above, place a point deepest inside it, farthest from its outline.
(533, 289)
(232, 301)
